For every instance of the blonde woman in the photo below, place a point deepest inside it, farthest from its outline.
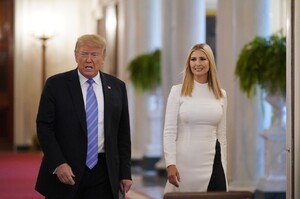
(195, 127)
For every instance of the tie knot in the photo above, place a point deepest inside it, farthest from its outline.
(90, 81)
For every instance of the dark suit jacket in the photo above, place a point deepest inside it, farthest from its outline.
(62, 132)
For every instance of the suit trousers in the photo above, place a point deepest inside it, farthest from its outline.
(95, 183)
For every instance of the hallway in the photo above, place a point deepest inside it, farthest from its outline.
(18, 171)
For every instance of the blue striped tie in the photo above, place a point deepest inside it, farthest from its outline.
(92, 125)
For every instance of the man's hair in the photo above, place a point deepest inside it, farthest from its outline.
(91, 39)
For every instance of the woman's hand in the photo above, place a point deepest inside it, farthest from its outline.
(173, 175)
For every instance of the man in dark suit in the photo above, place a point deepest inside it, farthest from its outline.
(63, 130)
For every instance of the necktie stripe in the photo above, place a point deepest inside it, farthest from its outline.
(92, 121)
(91, 105)
(92, 155)
(89, 97)
(92, 134)
(93, 129)
(91, 114)
(92, 126)
(92, 146)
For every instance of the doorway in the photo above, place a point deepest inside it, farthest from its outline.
(6, 74)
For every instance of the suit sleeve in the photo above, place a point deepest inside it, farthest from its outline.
(124, 139)
(45, 128)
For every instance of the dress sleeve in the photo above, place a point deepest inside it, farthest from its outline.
(221, 133)
(170, 127)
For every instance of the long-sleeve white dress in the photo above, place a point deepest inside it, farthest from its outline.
(192, 126)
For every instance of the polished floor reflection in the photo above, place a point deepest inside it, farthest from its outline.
(148, 182)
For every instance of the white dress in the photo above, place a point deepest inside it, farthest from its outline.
(192, 126)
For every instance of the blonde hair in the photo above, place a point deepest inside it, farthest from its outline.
(91, 39)
(188, 79)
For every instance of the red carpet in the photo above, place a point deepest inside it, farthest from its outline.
(18, 172)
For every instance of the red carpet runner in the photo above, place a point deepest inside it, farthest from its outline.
(18, 172)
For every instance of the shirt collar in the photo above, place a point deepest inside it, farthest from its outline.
(83, 79)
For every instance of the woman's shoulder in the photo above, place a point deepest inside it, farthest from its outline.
(174, 94)
(223, 92)
(176, 88)
(224, 98)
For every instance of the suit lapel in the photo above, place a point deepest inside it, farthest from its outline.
(75, 88)
(108, 100)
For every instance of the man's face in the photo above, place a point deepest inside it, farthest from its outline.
(89, 60)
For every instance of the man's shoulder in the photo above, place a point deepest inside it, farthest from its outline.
(62, 78)
(110, 78)
(63, 75)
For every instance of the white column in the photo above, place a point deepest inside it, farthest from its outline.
(150, 37)
(274, 178)
(184, 25)
(297, 99)
(293, 99)
(235, 28)
(140, 32)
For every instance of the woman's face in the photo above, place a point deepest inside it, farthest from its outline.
(89, 60)
(199, 64)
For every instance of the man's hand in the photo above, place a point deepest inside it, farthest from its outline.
(173, 175)
(125, 185)
(65, 174)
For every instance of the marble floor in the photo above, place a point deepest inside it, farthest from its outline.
(148, 182)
